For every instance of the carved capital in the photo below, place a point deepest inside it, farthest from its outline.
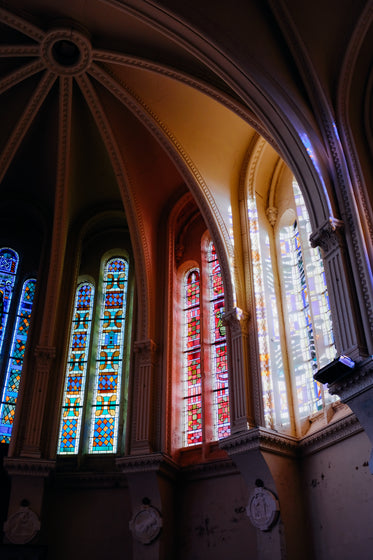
(146, 350)
(328, 236)
(272, 214)
(44, 356)
(237, 321)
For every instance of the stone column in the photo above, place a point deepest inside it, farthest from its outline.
(240, 385)
(143, 426)
(346, 324)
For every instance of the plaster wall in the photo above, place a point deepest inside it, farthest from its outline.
(338, 489)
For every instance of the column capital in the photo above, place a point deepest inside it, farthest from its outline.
(272, 214)
(327, 236)
(237, 320)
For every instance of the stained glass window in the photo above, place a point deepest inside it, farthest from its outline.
(75, 379)
(106, 398)
(276, 410)
(305, 315)
(218, 347)
(308, 312)
(192, 359)
(8, 269)
(18, 346)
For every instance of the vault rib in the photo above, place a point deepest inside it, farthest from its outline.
(134, 219)
(10, 51)
(21, 74)
(21, 25)
(61, 211)
(25, 122)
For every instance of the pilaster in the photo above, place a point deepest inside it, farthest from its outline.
(241, 406)
(142, 434)
(32, 446)
(346, 325)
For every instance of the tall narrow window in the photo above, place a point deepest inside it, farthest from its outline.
(75, 379)
(90, 418)
(276, 410)
(8, 269)
(192, 359)
(15, 361)
(206, 392)
(218, 347)
(302, 314)
(106, 400)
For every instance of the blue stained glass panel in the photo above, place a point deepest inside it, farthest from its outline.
(106, 399)
(75, 377)
(17, 352)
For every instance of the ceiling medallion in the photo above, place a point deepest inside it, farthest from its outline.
(66, 51)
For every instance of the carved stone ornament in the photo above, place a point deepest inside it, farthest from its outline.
(262, 509)
(22, 526)
(146, 524)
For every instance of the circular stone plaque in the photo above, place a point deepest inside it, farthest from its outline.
(262, 509)
(146, 524)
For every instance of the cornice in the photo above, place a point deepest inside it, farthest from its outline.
(359, 380)
(153, 462)
(21, 466)
(90, 479)
(260, 439)
(209, 469)
(331, 434)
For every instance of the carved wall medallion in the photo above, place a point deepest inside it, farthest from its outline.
(22, 526)
(262, 509)
(146, 524)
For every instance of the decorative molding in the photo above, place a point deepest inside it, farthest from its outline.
(331, 434)
(23, 466)
(209, 469)
(20, 74)
(179, 156)
(359, 380)
(133, 215)
(81, 59)
(260, 439)
(24, 123)
(21, 25)
(90, 479)
(237, 321)
(328, 235)
(272, 214)
(151, 462)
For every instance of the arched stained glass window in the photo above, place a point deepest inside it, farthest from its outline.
(15, 360)
(276, 410)
(205, 364)
(295, 335)
(192, 359)
(218, 347)
(106, 399)
(75, 379)
(308, 312)
(8, 269)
